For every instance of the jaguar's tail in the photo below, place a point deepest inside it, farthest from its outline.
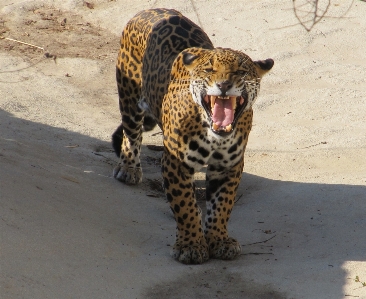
(117, 138)
(149, 123)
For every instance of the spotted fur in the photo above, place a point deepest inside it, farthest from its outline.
(169, 73)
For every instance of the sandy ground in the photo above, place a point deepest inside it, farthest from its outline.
(69, 230)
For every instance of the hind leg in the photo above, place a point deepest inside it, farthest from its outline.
(127, 138)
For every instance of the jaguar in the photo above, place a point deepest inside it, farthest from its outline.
(169, 73)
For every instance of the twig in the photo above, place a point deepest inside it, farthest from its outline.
(323, 142)
(238, 198)
(70, 179)
(72, 146)
(157, 148)
(197, 15)
(256, 253)
(158, 133)
(20, 42)
(46, 55)
(260, 241)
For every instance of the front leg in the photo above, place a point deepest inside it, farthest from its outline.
(190, 246)
(221, 187)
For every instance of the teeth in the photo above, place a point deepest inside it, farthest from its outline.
(226, 129)
(241, 100)
(213, 99)
(233, 102)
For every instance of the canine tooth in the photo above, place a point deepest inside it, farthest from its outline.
(228, 128)
(213, 99)
(241, 100)
(233, 102)
(215, 126)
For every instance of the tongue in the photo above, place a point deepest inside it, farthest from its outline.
(222, 113)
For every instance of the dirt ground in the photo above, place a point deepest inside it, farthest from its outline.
(69, 230)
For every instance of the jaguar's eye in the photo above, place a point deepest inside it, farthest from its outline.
(208, 70)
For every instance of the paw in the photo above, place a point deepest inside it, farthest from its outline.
(190, 254)
(128, 175)
(226, 249)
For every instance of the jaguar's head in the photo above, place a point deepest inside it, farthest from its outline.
(225, 83)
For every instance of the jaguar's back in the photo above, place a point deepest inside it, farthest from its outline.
(150, 42)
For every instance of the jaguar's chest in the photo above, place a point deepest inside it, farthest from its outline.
(209, 149)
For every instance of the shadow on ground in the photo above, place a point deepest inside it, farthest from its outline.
(68, 230)
(296, 238)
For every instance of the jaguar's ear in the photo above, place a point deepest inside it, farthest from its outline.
(263, 66)
(188, 59)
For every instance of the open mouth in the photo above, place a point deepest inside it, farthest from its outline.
(223, 111)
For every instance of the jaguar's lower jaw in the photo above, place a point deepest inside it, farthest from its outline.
(222, 131)
(217, 128)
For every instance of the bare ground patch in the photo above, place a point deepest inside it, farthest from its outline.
(56, 32)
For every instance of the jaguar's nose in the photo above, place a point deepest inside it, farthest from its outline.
(224, 86)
